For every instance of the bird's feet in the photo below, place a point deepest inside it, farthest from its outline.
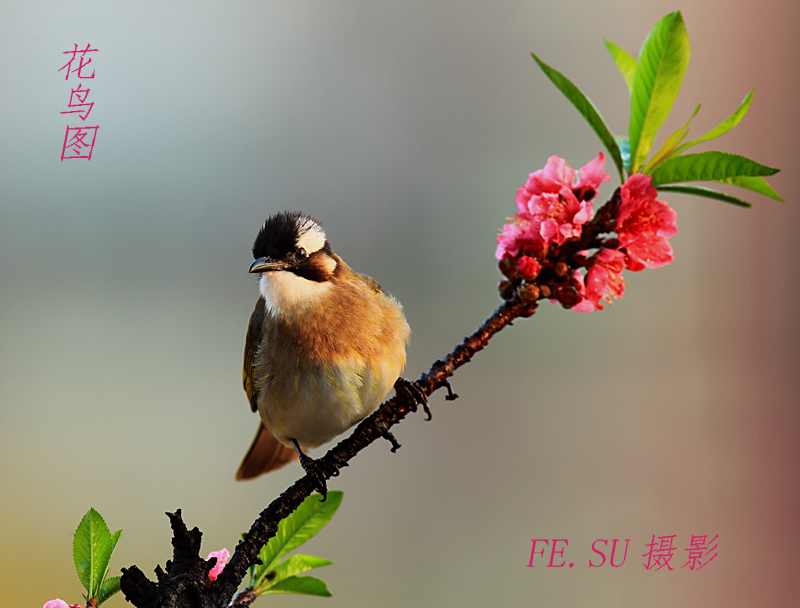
(317, 470)
(414, 394)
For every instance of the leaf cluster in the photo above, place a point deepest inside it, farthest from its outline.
(280, 574)
(654, 80)
(92, 546)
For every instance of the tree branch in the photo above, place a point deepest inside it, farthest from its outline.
(184, 584)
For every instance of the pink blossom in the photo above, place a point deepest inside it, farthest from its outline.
(557, 176)
(511, 239)
(604, 279)
(552, 206)
(645, 224)
(556, 218)
(585, 305)
(222, 558)
(591, 175)
(59, 603)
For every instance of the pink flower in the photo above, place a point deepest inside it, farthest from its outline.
(644, 224)
(591, 175)
(511, 239)
(553, 206)
(59, 603)
(222, 558)
(558, 176)
(604, 279)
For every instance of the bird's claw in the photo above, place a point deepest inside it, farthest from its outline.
(414, 394)
(317, 470)
(450, 396)
(388, 436)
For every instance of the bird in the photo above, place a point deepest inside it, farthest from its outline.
(324, 346)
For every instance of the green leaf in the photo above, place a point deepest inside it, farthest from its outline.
(625, 151)
(298, 564)
(705, 192)
(756, 184)
(308, 519)
(109, 587)
(291, 566)
(91, 550)
(624, 60)
(670, 146)
(586, 109)
(659, 73)
(307, 585)
(115, 539)
(707, 166)
(723, 127)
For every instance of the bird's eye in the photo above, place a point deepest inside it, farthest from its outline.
(301, 254)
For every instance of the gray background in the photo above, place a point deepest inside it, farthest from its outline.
(406, 127)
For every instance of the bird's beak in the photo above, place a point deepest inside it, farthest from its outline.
(267, 265)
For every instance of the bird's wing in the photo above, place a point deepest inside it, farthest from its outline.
(266, 453)
(255, 332)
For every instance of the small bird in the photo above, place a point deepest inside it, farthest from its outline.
(324, 345)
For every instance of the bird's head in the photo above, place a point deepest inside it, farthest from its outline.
(295, 261)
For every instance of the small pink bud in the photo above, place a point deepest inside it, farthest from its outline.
(59, 603)
(528, 268)
(222, 558)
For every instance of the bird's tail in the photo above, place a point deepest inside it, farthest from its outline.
(265, 454)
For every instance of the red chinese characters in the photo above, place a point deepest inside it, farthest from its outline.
(79, 141)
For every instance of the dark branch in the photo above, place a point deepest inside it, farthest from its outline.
(184, 585)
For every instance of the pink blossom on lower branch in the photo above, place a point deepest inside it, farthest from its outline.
(222, 558)
(645, 224)
(604, 278)
(59, 603)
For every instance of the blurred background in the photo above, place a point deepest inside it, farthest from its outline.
(406, 128)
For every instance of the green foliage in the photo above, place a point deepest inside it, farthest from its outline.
(659, 74)
(92, 546)
(704, 192)
(277, 575)
(586, 108)
(723, 127)
(707, 166)
(654, 80)
(625, 62)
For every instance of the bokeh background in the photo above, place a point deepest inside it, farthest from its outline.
(406, 127)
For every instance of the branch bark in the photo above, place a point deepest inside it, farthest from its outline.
(183, 585)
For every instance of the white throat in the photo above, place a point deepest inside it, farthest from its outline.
(287, 294)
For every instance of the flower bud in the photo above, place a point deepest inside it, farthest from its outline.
(508, 266)
(561, 269)
(528, 268)
(568, 296)
(506, 289)
(528, 292)
(545, 291)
